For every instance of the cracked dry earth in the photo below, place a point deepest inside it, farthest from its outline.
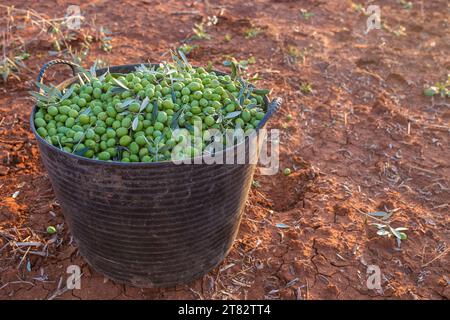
(365, 139)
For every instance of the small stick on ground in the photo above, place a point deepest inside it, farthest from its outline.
(23, 257)
(58, 290)
(15, 282)
(435, 258)
(196, 293)
(421, 169)
(179, 13)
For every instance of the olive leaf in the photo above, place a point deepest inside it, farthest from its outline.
(87, 111)
(135, 122)
(46, 93)
(402, 235)
(383, 232)
(144, 104)
(395, 233)
(177, 60)
(380, 214)
(233, 114)
(120, 150)
(38, 96)
(249, 91)
(117, 90)
(174, 97)
(183, 56)
(209, 66)
(158, 139)
(170, 71)
(127, 102)
(152, 150)
(81, 152)
(93, 69)
(148, 142)
(174, 124)
(103, 76)
(255, 77)
(142, 68)
(82, 70)
(164, 148)
(240, 97)
(232, 98)
(43, 88)
(379, 225)
(59, 142)
(188, 126)
(50, 91)
(234, 69)
(155, 111)
(68, 93)
(120, 84)
(156, 143)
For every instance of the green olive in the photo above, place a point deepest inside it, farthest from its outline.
(104, 155)
(246, 116)
(82, 102)
(167, 104)
(83, 118)
(141, 140)
(122, 131)
(42, 132)
(196, 109)
(39, 122)
(162, 117)
(134, 107)
(209, 120)
(52, 110)
(230, 108)
(125, 140)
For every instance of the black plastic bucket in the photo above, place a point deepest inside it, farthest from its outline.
(148, 224)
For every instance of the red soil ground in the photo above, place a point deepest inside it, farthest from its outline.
(365, 139)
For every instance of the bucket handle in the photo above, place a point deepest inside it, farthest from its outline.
(274, 105)
(46, 66)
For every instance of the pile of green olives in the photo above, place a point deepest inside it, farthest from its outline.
(131, 117)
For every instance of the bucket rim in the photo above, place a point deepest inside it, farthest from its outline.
(136, 164)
